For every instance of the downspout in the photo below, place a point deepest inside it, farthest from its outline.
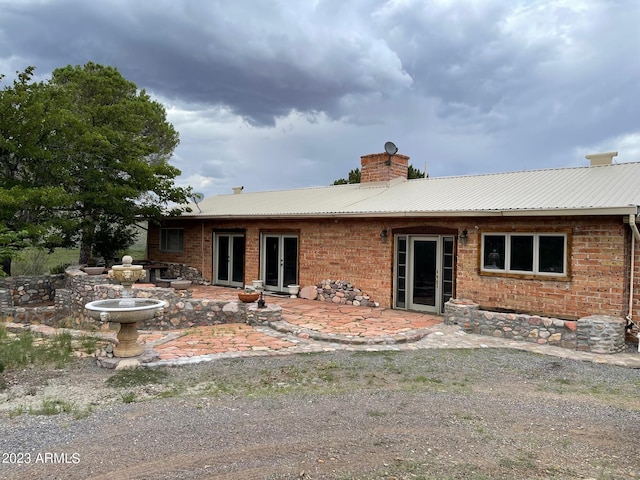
(634, 237)
(202, 248)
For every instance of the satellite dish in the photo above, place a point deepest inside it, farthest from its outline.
(390, 148)
(197, 198)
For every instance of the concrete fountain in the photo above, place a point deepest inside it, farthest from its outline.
(126, 311)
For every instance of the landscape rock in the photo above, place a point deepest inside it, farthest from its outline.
(309, 292)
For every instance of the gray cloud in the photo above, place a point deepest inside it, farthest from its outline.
(302, 89)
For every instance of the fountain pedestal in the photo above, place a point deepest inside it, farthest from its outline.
(128, 345)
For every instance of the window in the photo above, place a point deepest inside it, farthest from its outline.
(171, 240)
(525, 253)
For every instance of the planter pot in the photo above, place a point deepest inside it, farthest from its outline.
(293, 290)
(93, 270)
(248, 297)
(257, 284)
(180, 284)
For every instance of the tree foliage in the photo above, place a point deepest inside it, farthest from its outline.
(354, 176)
(83, 157)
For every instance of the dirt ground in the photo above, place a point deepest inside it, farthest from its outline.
(445, 414)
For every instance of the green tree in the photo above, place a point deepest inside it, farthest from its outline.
(103, 147)
(29, 202)
(354, 176)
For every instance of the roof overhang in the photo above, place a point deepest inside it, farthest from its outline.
(608, 211)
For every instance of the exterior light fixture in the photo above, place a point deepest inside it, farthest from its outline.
(261, 302)
(384, 234)
(391, 150)
(464, 237)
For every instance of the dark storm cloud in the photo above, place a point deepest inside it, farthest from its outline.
(208, 52)
(303, 88)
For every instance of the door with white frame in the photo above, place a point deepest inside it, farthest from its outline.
(229, 259)
(279, 261)
(423, 272)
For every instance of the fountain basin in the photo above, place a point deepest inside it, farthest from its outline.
(128, 310)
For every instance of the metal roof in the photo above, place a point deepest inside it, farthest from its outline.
(601, 190)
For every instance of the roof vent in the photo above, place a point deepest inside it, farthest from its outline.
(237, 190)
(598, 159)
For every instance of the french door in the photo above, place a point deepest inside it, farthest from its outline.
(279, 261)
(423, 272)
(229, 259)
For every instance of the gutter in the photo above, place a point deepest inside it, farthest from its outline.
(559, 212)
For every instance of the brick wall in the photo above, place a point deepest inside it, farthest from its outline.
(599, 272)
(375, 169)
(352, 250)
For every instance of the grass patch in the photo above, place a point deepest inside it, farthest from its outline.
(376, 413)
(136, 377)
(89, 344)
(52, 407)
(128, 397)
(25, 349)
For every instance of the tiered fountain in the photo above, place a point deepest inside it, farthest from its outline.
(126, 311)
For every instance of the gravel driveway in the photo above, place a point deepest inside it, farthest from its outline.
(441, 414)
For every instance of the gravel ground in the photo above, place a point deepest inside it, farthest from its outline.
(441, 414)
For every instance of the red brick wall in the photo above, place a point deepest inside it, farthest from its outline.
(598, 281)
(374, 168)
(351, 249)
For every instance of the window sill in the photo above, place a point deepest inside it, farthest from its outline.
(525, 276)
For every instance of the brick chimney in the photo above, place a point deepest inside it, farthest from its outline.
(375, 168)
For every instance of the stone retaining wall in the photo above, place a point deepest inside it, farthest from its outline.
(182, 311)
(596, 334)
(25, 290)
(184, 272)
(342, 292)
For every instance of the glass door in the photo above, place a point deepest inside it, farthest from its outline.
(229, 259)
(423, 272)
(423, 266)
(279, 262)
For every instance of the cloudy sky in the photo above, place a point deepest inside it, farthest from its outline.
(275, 94)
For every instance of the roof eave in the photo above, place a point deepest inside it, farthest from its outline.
(542, 212)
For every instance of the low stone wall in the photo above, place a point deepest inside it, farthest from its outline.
(48, 315)
(597, 334)
(181, 312)
(25, 290)
(342, 292)
(184, 272)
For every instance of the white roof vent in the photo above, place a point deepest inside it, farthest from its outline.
(237, 190)
(598, 159)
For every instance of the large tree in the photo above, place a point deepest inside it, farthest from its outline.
(29, 202)
(102, 142)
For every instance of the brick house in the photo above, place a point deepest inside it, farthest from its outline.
(556, 242)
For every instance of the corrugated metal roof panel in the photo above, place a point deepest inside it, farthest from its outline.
(601, 187)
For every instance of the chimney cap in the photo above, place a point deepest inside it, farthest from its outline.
(598, 159)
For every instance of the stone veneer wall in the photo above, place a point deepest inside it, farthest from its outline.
(182, 311)
(184, 272)
(29, 290)
(596, 333)
(343, 292)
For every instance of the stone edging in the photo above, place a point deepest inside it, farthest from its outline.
(283, 326)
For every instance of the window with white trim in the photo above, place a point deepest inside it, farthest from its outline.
(525, 253)
(172, 239)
